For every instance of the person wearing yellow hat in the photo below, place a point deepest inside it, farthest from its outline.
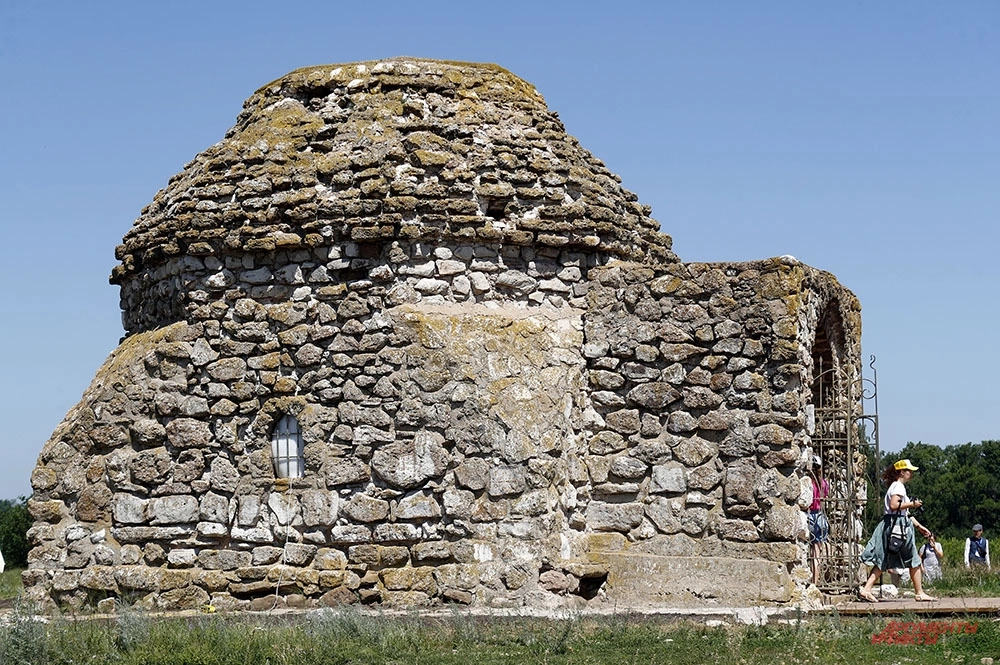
(892, 544)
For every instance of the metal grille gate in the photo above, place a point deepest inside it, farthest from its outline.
(845, 437)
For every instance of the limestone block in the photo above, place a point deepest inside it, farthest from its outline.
(408, 464)
(46, 511)
(176, 509)
(680, 422)
(181, 558)
(606, 442)
(705, 477)
(319, 507)
(202, 352)
(679, 352)
(473, 473)
(772, 434)
(534, 502)
(212, 530)
(130, 554)
(213, 580)
(668, 478)
(523, 529)
(329, 559)
(284, 507)
(214, 508)
(223, 476)
(338, 597)
(781, 522)
(666, 514)
(433, 551)
(713, 421)
(141, 534)
(298, 554)
(350, 533)
(700, 397)
(188, 433)
(506, 480)
(694, 520)
(554, 581)
(43, 479)
(607, 399)
(627, 467)
(401, 532)
(654, 396)
(183, 598)
(147, 433)
(740, 530)
(94, 503)
(624, 421)
(613, 516)
(248, 511)
(740, 482)
(364, 508)
(223, 559)
(639, 373)
(517, 574)
(99, 578)
(258, 534)
(346, 471)
(605, 380)
(150, 466)
(109, 436)
(138, 578)
(193, 406)
(128, 509)
(418, 506)
(679, 581)
(695, 451)
(65, 580)
(458, 503)
(265, 555)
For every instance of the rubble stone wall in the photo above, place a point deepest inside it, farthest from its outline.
(521, 450)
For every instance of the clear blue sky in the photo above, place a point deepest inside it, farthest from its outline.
(860, 137)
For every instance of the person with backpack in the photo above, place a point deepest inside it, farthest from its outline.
(977, 548)
(892, 544)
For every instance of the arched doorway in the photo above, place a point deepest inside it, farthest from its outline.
(842, 423)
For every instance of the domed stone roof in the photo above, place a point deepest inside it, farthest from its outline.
(401, 149)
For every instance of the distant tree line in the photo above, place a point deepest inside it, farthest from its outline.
(960, 486)
(14, 524)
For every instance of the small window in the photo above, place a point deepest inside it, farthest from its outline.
(286, 448)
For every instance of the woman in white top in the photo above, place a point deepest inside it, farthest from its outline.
(931, 554)
(896, 514)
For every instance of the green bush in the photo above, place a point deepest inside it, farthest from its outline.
(14, 524)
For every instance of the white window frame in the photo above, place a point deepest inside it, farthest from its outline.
(286, 448)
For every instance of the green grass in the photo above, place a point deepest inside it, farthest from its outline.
(10, 583)
(348, 638)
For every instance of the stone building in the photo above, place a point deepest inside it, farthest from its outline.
(398, 338)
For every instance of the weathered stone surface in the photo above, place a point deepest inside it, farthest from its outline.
(188, 433)
(410, 464)
(670, 478)
(364, 508)
(614, 516)
(176, 509)
(224, 559)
